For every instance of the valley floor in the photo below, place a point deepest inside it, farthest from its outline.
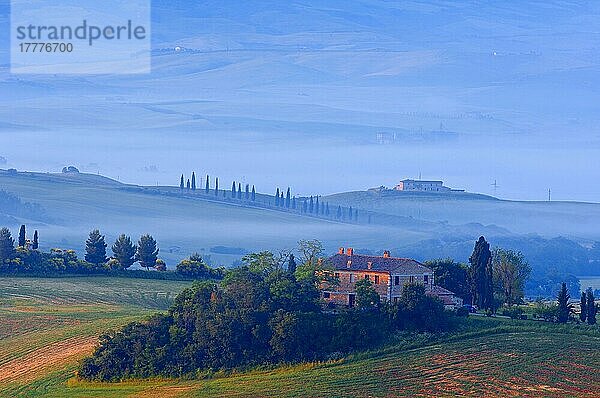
(48, 325)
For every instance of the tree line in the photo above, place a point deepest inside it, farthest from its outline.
(267, 311)
(25, 257)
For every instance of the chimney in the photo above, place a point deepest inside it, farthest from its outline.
(349, 251)
(369, 265)
(341, 250)
(386, 254)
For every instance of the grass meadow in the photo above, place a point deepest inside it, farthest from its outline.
(48, 325)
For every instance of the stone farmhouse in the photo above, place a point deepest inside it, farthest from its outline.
(388, 275)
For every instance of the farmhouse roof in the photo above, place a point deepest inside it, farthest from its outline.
(395, 265)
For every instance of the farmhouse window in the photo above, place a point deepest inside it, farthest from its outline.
(352, 278)
(411, 279)
(337, 275)
(377, 279)
(426, 279)
(396, 280)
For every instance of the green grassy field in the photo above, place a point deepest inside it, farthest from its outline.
(48, 325)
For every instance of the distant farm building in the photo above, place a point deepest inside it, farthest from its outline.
(424, 186)
(388, 275)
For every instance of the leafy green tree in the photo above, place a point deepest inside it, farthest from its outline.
(452, 276)
(194, 267)
(481, 275)
(591, 307)
(147, 251)
(124, 251)
(583, 307)
(22, 237)
(182, 183)
(366, 295)
(7, 246)
(193, 181)
(160, 265)
(564, 308)
(95, 248)
(511, 271)
(207, 185)
(36, 244)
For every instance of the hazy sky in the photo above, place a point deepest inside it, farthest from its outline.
(333, 96)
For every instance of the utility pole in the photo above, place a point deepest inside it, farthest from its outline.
(549, 195)
(495, 185)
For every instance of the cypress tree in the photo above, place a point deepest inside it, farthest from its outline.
(350, 213)
(564, 308)
(239, 192)
(247, 191)
(317, 205)
(322, 208)
(291, 264)
(216, 186)
(356, 215)
(22, 238)
(591, 307)
(327, 209)
(277, 197)
(311, 205)
(207, 186)
(288, 198)
(583, 307)
(124, 251)
(339, 212)
(193, 181)
(188, 184)
(147, 251)
(224, 194)
(181, 183)
(95, 248)
(253, 193)
(281, 200)
(481, 274)
(36, 243)
(304, 206)
(233, 190)
(7, 245)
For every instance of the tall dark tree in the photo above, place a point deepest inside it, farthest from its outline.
(224, 194)
(239, 192)
(304, 206)
(207, 186)
(277, 197)
(95, 248)
(247, 191)
(288, 198)
(317, 206)
(188, 185)
(294, 202)
(356, 215)
(291, 264)
(564, 308)
(216, 186)
(36, 244)
(481, 275)
(7, 245)
(338, 215)
(182, 183)
(583, 307)
(591, 307)
(124, 251)
(233, 190)
(311, 205)
(327, 209)
(193, 181)
(147, 251)
(22, 236)
(350, 213)
(281, 200)
(253, 193)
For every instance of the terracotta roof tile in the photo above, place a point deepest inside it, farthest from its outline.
(395, 265)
